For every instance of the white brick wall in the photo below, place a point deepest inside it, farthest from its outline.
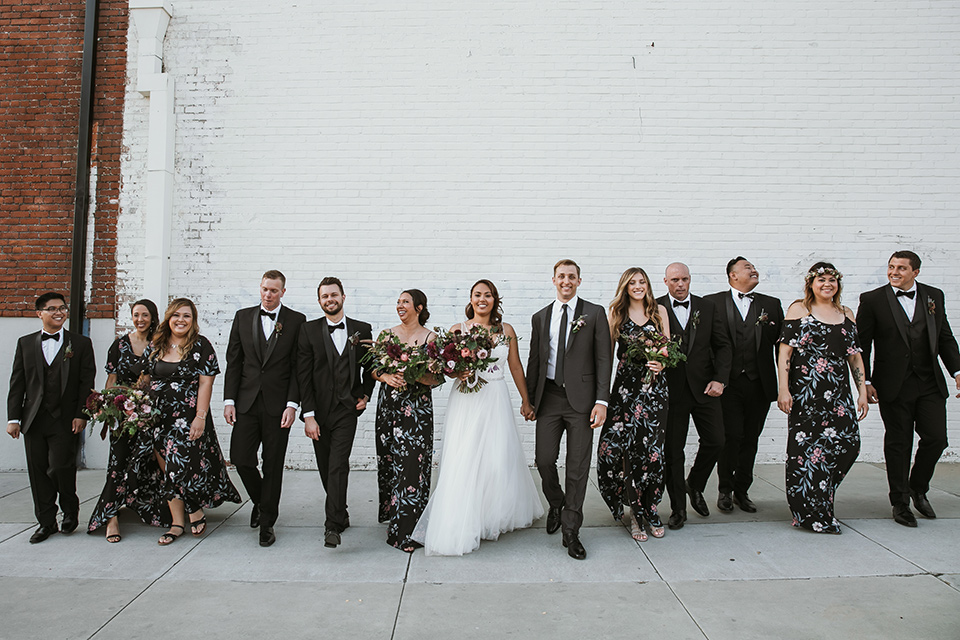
(430, 144)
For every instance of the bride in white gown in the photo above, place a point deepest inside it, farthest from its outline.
(484, 486)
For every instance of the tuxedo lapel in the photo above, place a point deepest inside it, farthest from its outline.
(351, 351)
(573, 334)
(272, 341)
(692, 321)
(921, 307)
(733, 314)
(256, 328)
(38, 357)
(756, 312)
(328, 345)
(65, 350)
(545, 337)
(676, 331)
(899, 317)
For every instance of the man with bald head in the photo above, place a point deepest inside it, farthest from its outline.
(695, 387)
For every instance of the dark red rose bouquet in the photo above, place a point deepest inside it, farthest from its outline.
(456, 352)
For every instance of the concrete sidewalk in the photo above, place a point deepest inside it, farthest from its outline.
(736, 576)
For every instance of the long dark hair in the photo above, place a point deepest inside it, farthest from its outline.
(161, 339)
(154, 315)
(496, 315)
(419, 300)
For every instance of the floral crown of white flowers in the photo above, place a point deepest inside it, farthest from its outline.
(823, 271)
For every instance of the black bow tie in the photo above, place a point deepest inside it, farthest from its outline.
(685, 304)
(334, 327)
(909, 294)
(270, 314)
(746, 295)
(49, 336)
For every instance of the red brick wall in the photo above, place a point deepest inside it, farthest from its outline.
(41, 53)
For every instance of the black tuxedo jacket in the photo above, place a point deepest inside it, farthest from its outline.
(316, 356)
(766, 334)
(78, 371)
(253, 368)
(707, 346)
(882, 326)
(587, 360)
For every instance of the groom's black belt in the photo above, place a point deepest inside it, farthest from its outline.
(553, 382)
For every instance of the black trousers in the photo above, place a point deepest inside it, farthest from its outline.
(333, 461)
(51, 448)
(745, 410)
(708, 420)
(920, 408)
(253, 428)
(555, 417)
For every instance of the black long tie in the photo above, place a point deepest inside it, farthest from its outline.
(561, 347)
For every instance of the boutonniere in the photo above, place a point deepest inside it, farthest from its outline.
(695, 318)
(68, 352)
(578, 324)
(931, 306)
(278, 329)
(354, 340)
(764, 318)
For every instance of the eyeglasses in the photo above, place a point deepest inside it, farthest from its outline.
(62, 309)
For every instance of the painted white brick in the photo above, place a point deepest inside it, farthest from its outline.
(431, 145)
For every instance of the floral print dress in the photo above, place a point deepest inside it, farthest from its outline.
(195, 470)
(631, 442)
(134, 478)
(404, 432)
(823, 433)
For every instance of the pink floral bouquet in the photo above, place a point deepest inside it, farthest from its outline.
(652, 346)
(388, 355)
(456, 352)
(122, 410)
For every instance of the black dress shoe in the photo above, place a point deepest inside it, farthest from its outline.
(255, 516)
(267, 536)
(744, 502)
(69, 524)
(725, 502)
(346, 524)
(903, 515)
(677, 518)
(921, 504)
(697, 502)
(553, 519)
(331, 538)
(42, 534)
(574, 547)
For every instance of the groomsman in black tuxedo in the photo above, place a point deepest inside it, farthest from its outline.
(53, 373)
(905, 326)
(261, 396)
(753, 324)
(695, 387)
(568, 380)
(334, 390)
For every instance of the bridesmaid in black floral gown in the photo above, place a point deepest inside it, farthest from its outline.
(630, 451)
(182, 365)
(133, 475)
(405, 432)
(817, 345)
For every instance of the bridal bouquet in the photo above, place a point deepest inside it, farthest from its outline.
(122, 410)
(456, 352)
(652, 346)
(388, 355)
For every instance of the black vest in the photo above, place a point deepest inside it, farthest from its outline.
(341, 376)
(920, 362)
(745, 355)
(51, 386)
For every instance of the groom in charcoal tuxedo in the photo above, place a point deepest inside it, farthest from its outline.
(53, 373)
(753, 324)
(261, 396)
(695, 387)
(334, 390)
(904, 324)
(568, 381)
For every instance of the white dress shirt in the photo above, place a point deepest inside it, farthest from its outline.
(682, 313)
(268, 324)
(909, 304)
(339, 336)
(51, 347)
(555, 314)
(743, 304)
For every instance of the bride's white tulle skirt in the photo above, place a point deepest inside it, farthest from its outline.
(484, 487)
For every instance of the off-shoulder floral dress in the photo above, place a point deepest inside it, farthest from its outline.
(823, 433)
(134, 478)
(195, 470)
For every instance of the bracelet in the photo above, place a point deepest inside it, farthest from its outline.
(202, 416)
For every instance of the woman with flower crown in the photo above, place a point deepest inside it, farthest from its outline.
(484, 486)
(817, 346)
